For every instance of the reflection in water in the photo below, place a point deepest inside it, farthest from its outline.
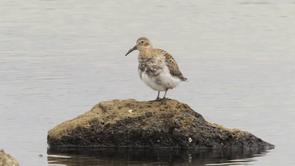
(108, 157)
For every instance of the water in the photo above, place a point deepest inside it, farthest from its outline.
(59, 58)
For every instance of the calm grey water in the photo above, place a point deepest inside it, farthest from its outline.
(59, 58)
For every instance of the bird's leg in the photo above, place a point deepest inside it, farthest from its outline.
(158, 97)
(165, 94)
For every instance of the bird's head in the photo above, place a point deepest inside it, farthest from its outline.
(142, 43)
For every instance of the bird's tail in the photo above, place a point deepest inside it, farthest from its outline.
(183, 78)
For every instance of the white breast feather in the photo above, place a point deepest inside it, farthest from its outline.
(161, 82)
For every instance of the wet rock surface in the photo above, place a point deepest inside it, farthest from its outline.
(148, 124)
(7, 160)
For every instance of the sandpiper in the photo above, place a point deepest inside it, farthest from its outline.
(157, 68)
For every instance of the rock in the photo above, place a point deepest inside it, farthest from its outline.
(148, 124)
(7, 160)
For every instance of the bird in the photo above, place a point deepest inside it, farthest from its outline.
(157, 68)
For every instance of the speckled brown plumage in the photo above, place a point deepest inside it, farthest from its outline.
(173, 67)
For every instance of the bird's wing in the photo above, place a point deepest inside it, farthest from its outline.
(172, 65)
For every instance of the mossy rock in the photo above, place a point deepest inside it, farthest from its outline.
(148, 124)
(7, 160)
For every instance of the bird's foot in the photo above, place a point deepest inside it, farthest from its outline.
(163, 99)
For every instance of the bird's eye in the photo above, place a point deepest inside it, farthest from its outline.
(142, 42)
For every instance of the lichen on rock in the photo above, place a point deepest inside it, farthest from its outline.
(7, 160)
(148, 124)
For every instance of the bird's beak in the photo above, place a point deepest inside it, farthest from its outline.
(132, 49)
